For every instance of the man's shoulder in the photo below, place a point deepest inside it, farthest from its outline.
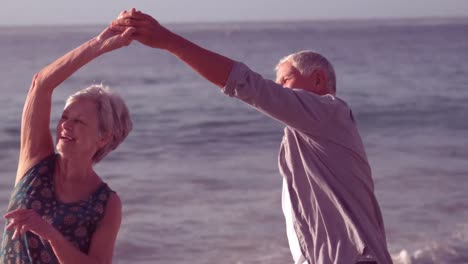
(327, 100)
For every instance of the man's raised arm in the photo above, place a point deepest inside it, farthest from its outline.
(212, 66)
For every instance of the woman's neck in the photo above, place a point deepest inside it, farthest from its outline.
(74, 180)
(74, 170)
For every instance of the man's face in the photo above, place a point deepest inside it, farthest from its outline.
(289, 77)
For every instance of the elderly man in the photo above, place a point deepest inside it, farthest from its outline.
(332, 215)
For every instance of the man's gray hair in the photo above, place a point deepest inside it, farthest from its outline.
(306, 62)
(113, 115)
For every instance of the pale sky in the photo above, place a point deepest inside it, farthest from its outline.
(40, 12)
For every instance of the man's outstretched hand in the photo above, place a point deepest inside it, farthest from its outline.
(212, 66)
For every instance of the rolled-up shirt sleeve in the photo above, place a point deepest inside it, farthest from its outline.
(297, 108)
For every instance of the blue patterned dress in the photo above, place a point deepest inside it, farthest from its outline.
(76, 221)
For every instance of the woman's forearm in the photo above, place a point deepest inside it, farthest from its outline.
(58, 71)
(67, 253)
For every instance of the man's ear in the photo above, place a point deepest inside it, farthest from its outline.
(319, 80)
(319, 77)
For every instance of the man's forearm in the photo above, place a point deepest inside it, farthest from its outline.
(212, 66)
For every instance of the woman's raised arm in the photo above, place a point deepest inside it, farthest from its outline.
(36, 139)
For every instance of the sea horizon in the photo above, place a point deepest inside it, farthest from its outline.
(356, 20)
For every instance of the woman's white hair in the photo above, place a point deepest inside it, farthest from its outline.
(306, 62)
(113, 115)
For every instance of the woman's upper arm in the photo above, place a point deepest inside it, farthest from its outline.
(103, 240)
(36, 139)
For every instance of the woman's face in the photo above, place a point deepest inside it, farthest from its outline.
(78, 133)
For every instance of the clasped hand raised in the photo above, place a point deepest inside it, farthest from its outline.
(143, 28)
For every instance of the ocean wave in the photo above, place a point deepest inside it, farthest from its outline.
(452, 251)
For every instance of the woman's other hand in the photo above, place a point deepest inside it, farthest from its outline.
(23, 220)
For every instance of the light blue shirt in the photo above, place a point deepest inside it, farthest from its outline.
(334, 210)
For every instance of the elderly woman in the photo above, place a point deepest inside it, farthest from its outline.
(61, 211)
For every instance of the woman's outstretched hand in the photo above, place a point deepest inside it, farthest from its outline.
(111, 39)
(148, 31)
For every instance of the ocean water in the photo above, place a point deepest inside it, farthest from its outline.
(198, 174)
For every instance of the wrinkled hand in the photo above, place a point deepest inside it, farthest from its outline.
(23, 220)
(148, 31)
(111, 39)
